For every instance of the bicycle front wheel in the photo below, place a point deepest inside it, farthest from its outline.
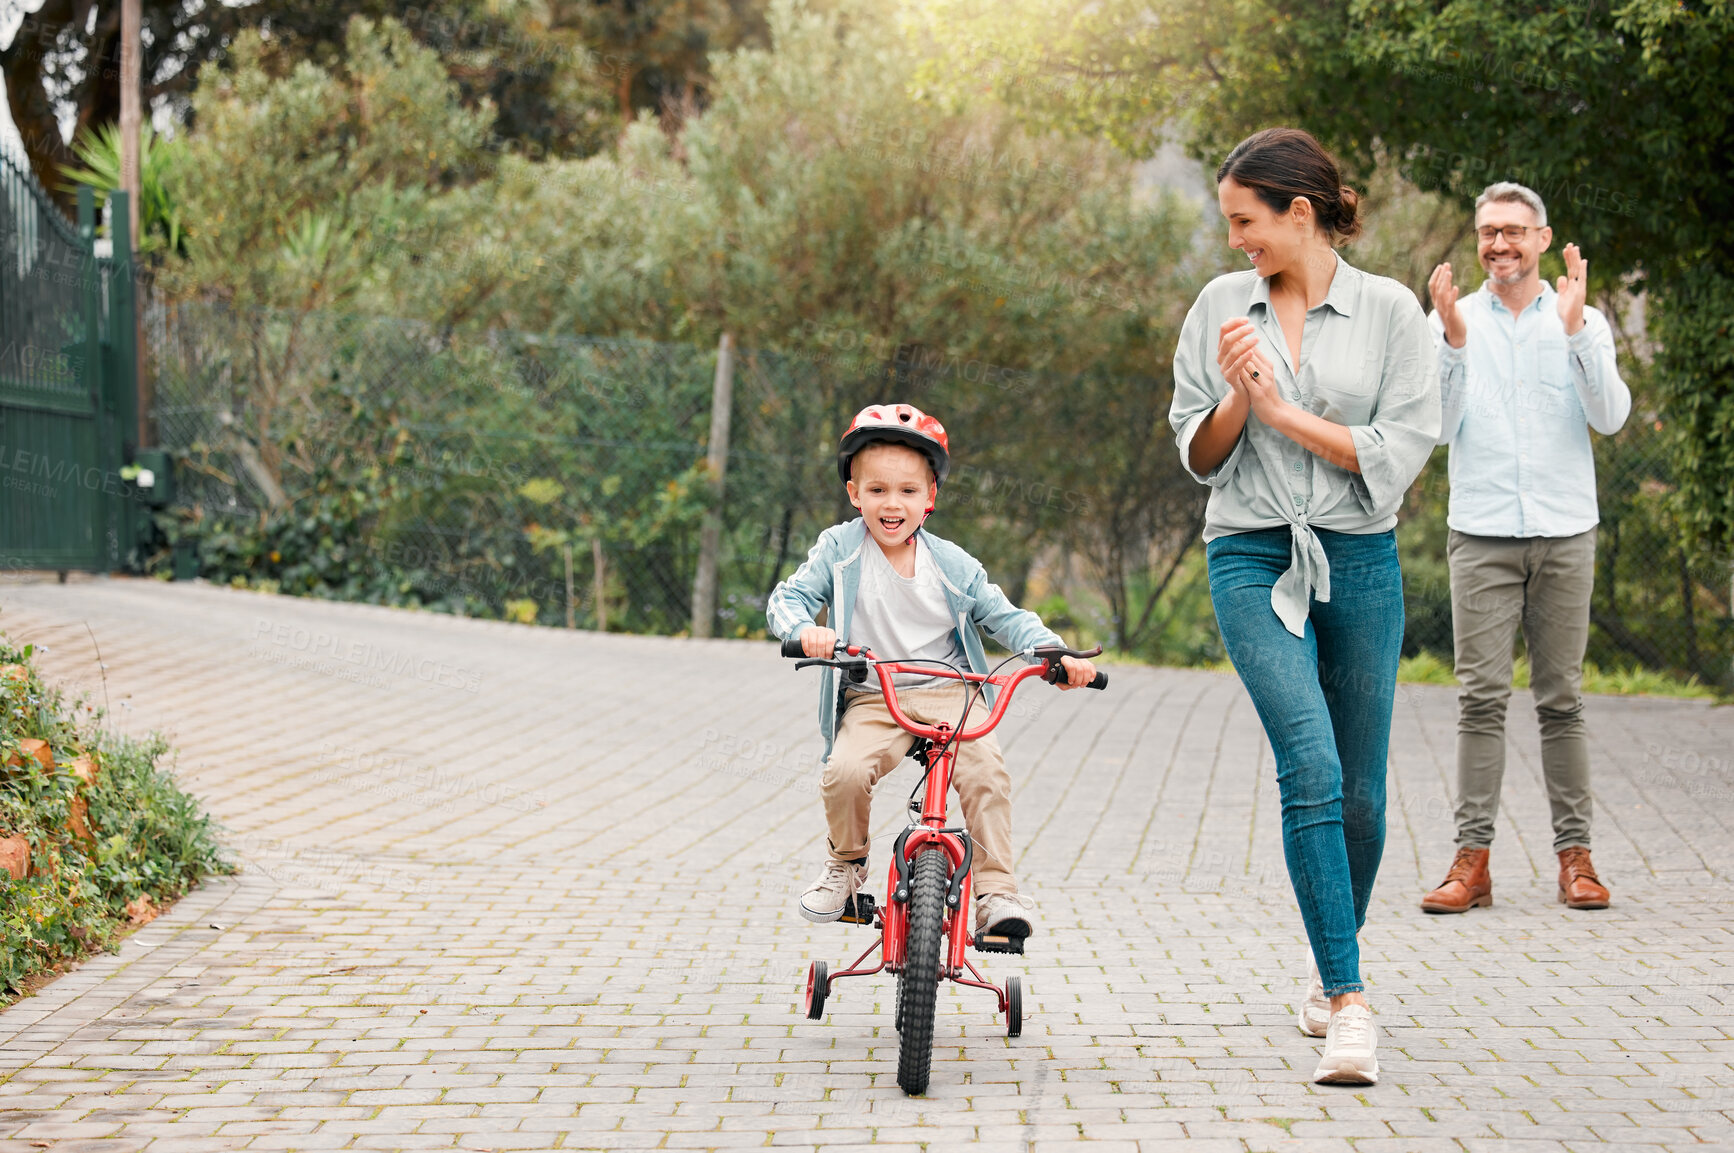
(918, 984)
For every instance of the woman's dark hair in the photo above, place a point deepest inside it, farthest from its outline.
(1280, 164)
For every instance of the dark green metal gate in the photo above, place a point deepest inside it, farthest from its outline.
(68, 391)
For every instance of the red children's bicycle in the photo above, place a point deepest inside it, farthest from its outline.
(924, 923)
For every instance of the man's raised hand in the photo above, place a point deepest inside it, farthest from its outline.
(1572, 289)
(1444, 294)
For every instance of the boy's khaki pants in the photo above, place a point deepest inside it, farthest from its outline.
(870, 744)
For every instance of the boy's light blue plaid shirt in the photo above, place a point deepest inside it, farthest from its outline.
(831, 575)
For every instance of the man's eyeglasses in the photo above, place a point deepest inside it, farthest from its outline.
(1514, 233)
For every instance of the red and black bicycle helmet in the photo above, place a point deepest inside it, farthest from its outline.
(900, 424)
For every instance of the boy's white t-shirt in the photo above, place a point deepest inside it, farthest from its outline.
(904, 617)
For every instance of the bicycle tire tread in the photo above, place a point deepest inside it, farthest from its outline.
(920, 978)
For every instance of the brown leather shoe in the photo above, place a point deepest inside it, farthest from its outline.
(1465, 886)
(1579, 887)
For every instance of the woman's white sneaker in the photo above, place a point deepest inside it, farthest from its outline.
(1314, 1018)
(1350, 1044)
(826, 898)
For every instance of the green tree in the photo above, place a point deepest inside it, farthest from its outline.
(294, 191)
(858, 236)
(1015, 281)
(529, 61)
(295, 188)
(63, 64)
(656, 53)
(1618, 114)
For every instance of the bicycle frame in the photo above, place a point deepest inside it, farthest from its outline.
(925, 900)
(930, 828)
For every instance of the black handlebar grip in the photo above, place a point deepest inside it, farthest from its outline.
(1101, 681)
(792, 646)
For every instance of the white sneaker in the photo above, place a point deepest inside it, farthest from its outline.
(1349, 1049)
(827, 897)
(1005, 915)
(1314, 1018)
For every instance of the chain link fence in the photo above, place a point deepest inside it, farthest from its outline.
(1654, 605)
(561, 481)
(551, 480)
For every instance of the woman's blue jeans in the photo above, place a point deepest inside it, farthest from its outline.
(1325, 699)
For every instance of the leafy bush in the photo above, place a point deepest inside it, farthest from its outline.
(147, 840)
(1697, 364)
(159, 216)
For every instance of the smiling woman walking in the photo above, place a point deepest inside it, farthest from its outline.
(1306, 396)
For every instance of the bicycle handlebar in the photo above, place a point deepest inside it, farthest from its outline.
(1049, 655)
(854, 661)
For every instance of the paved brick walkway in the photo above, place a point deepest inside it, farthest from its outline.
(508, 888)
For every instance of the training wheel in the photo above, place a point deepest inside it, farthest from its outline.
(1014, 1007)
(818, 984)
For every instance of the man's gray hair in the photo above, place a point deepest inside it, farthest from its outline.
(1507, 190)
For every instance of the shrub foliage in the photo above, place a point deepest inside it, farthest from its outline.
(148, 840)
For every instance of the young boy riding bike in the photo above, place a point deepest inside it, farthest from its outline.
(891, 586)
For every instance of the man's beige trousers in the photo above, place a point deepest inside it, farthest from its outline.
(1542, 584)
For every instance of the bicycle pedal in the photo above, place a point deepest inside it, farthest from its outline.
(860, 910)
(999, 943)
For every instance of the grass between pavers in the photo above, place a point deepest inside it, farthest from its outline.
(105, 854)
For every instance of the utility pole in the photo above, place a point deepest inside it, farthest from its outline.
(717, 461)
(131, 115)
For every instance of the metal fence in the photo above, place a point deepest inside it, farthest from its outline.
(67, 384)
(561, 481)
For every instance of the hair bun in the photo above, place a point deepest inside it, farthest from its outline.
(1281, 164)
(1348, 214)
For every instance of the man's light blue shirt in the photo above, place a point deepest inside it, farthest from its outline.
(1519, 400)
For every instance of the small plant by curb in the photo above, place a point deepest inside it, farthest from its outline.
(95, 836)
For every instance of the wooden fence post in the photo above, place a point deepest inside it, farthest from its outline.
(716, 460)
(571, 601)
(599, 582)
